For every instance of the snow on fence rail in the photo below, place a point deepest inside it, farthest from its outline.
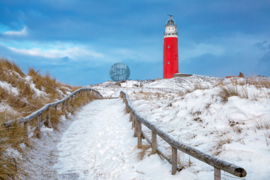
(88, 92)
(218, 164)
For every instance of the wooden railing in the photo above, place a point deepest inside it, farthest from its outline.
(88, 92)
(218, 164)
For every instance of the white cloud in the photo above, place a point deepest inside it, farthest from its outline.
(17, 33)
(74, 52)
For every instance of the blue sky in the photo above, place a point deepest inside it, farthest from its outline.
(78, 41)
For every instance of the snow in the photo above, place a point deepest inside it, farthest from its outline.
(38, 92)
(99, 144)
(45, 129)
(130, 84)
(191, 110)
(22, 146)
(28, 78)
(42, 155)
(12, 153)
(4, 107)
(62, 118)
(9, 88)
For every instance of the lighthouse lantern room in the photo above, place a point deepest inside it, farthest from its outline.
(170, 49)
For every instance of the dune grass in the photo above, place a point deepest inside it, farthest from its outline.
(24, 103)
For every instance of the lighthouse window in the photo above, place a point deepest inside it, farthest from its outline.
(168, 47)
(168, 62)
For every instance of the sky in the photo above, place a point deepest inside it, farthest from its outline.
(78, 41)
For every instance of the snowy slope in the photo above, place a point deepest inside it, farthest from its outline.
(193, 111)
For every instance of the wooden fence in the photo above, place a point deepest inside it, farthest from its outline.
(88, 92)
(218, 164)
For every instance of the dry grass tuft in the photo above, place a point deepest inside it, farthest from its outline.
(228, 91)
(11, 166)
(258, 82)
(199, 86)
(237, 129)
(144, 149)
(118, 84)
(224, 139)
(189, 162)
(9, 65)
(262, 124)
(49, 84)
(232, 90)
(238, 87)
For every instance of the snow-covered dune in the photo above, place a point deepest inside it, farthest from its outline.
(197, 111)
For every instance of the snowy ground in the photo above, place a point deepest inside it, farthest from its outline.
(40, 158)
(99, 144)
(191, 110)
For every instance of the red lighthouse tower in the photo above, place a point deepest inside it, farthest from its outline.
(170, 49)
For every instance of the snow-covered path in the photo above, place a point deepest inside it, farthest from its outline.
(99, 144)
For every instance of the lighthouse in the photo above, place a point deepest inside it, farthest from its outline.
(170, 49)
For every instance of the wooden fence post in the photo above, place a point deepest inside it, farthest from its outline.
(49, 118)
(132, 118)
(154, 142)
(38, 126)
(26, 128)
(139, 124)
(63, 106)
(135, 128)
(174, 160)
(68, 106)
(55, 108)
(217, 174)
